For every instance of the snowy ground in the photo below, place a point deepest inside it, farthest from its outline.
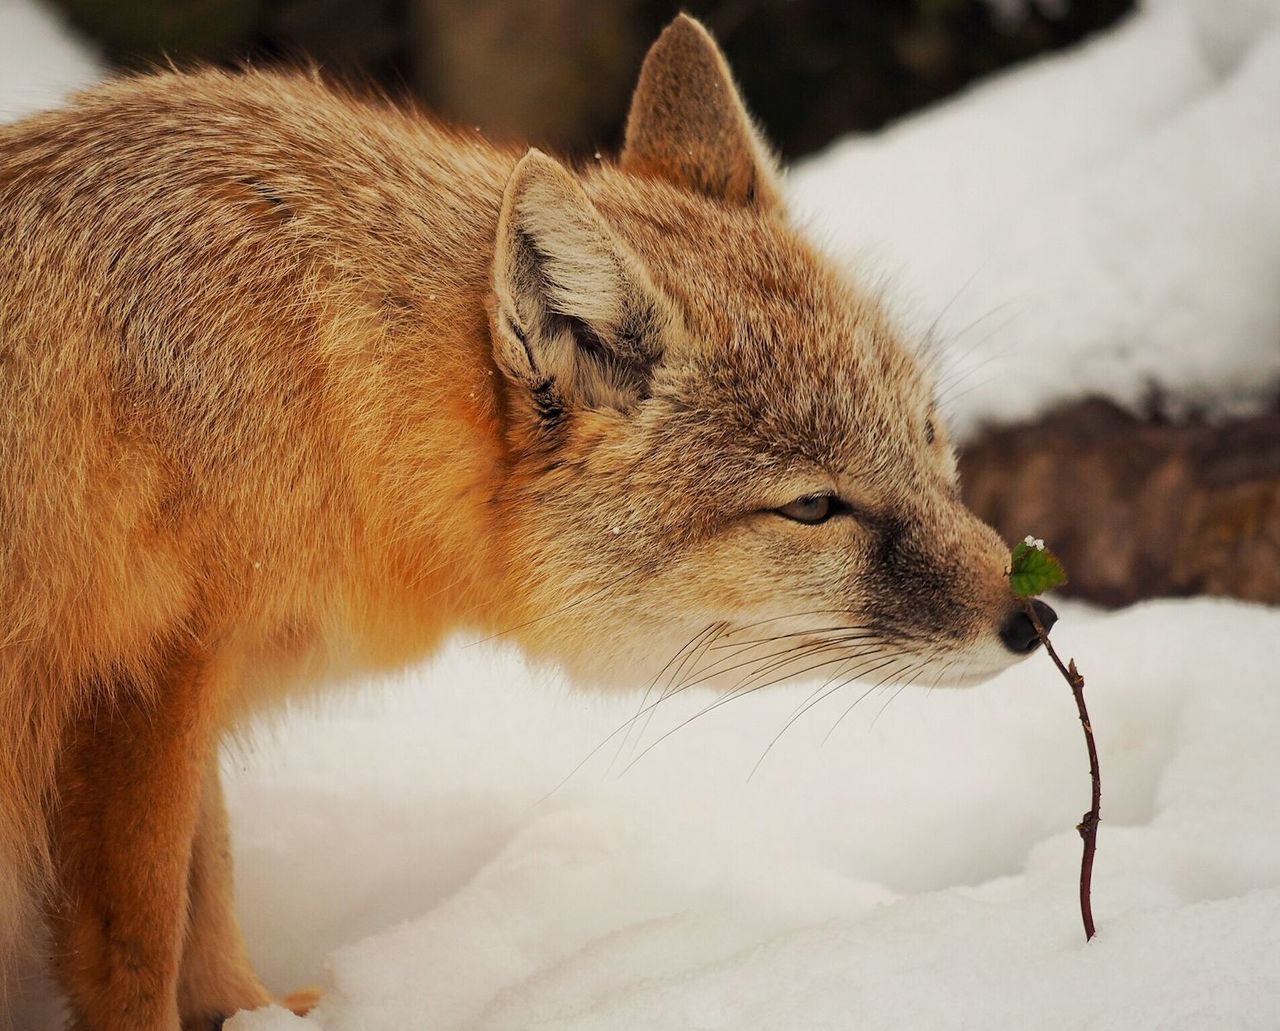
(1105, 221)
(415, 848)
(918, 869)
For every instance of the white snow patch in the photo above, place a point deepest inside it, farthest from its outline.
(1103, 222)
(918, 869)
(414, 846)
(1227, 28)
(41, 60)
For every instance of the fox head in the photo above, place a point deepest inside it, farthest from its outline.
(724, 457)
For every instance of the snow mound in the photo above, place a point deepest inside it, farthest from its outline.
(41, 60)
(918, 869)
(1226, 28)
(1105, 221)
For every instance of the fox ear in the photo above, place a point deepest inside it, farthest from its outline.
(578, 321)
(688, 124)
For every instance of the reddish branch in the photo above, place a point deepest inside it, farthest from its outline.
(1088, 825)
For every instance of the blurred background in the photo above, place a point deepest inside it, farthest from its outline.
(1115, 187)
(559, 72)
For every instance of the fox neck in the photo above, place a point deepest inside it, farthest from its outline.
(437, 457)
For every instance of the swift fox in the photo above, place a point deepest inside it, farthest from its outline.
(293, 383)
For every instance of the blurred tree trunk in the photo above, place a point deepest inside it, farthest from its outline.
(1138, 509)
(557, 73)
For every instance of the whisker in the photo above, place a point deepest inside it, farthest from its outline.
(683, 651)
(790, 615)
(770, 664)
(623, 727)
(786, 726)
(558, 611)
(901, 687)
(955, 336)
(798, 633)
(796, 651)
(839, 672)
(672, 689)
(840, 719)
(931, 340)
(958, 374)
(609, 737)
(948, 397)
(954, 398)
(724, 700)
(942, 672)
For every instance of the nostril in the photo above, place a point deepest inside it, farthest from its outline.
(1019, 633)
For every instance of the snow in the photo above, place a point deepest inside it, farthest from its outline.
(415, 847)
(41, 61)
(1103, 222)
(918, 869)
(1226, 28)
(429, 849)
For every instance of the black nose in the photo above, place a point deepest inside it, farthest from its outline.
(1019, 633)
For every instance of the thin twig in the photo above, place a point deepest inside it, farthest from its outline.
(1088, 825)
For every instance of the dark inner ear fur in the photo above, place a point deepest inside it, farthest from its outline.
(688, 125)
(578, 317)
(628, 376)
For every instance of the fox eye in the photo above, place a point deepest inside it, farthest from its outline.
(817, 508)
(929, 433)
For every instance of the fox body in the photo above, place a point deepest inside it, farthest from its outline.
(292, 382)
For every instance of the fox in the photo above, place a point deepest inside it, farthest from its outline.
(296, 382)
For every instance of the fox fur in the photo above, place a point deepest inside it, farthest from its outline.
(293, 383)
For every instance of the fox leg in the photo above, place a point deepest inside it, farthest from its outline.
(130, 782)
(216, 978)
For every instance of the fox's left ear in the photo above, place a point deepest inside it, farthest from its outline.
(688, 124)
(579, 323)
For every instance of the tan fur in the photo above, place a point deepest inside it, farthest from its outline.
(292, 383)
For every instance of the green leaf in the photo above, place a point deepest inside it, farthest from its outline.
(1033, 571)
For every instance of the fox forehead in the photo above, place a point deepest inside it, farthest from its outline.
(779, 351)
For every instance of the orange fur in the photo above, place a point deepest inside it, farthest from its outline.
(292, 383)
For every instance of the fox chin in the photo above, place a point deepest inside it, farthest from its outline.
(290, 378)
